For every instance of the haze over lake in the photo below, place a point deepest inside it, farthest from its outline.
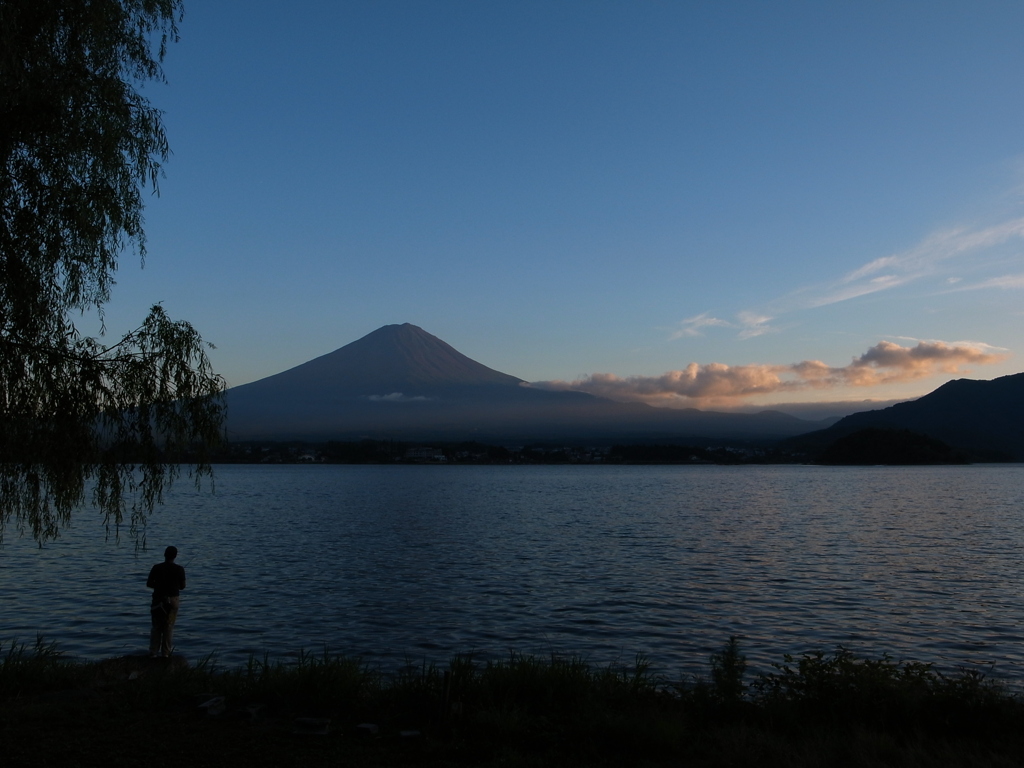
(413, 563)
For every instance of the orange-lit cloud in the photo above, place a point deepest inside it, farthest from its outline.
(884, 363)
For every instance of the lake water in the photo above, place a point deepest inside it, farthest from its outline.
(415, 563)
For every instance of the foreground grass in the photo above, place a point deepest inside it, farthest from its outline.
(818, 709)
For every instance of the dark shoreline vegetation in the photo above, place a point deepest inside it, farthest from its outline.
(324, 709)
(866, 447)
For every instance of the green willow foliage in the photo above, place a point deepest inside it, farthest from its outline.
(79, 144)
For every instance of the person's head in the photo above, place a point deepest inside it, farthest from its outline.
(170, 553)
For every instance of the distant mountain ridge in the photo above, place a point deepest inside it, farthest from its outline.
(400, 382)
(983, 418)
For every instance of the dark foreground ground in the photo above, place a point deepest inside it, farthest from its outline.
(819, 710)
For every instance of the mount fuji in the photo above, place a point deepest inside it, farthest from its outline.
(400, 382)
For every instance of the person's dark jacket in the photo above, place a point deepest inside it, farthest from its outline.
(166, 580)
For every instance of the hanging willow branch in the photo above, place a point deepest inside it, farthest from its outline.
(78, 145)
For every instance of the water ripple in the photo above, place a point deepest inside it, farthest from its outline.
(399, 563)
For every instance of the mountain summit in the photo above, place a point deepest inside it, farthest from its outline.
(394, 359)
(401, 382)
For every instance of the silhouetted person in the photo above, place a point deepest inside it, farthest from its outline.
(166, 579)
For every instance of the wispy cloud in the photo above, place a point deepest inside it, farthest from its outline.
(884, 363)
(914, 264)
(692, 326)
(754, 324)
(1005, 282)
(923, 261)
(749, 324)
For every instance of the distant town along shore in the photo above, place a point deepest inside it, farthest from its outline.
(871, 446)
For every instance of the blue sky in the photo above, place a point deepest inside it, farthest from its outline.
(695, 204)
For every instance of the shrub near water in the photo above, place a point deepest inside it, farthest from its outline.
(37, 669)
(727, 669)
(882, 693)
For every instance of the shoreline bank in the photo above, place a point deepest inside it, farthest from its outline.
(813, 709)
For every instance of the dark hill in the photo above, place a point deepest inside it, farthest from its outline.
(401, 382)
(984, 419)
(888, 446)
